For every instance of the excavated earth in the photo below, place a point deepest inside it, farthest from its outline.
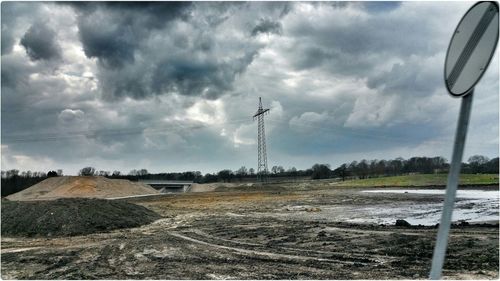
(262, 234)
(81, 187)
(71, 216)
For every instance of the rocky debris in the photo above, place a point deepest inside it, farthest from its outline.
(402, 223)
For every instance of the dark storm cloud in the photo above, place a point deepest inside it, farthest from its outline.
(7, 41)
(12, 73)
(313, 56)
(198, 77)
(355, 45)
(169, 47)
(267, 26)
(113, 48)
(40, 42)
(181, 74)
(156, 14)
(380, 6)
(112, 31)
(331, 4)
(8, 19)
(13, 13)
(29, 106)
(406, 79)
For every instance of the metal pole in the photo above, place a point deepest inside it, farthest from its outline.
(451, 188)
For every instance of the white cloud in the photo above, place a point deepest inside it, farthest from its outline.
(244, 135)
(24, 162)
(72, 120)
(309, 121)
(207, 111)
(163, 140)
(372, 111)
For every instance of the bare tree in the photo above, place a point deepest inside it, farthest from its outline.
(103, 173)
(321, 171)
(242, 171)
(478, 159)
(87, 171)
(225, 175)
(274, 169)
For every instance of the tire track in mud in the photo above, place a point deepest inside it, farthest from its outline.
(278, 256)
(339, 256)
(18, 250)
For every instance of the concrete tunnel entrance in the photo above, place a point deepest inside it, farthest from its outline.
(167, 186)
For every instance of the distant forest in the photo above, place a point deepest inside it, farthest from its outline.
(14, 181)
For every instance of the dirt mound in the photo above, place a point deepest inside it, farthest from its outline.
(86, 187)
(71, 216)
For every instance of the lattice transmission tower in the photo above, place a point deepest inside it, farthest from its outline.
(262, 155)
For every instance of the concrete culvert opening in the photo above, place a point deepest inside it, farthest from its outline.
(71, 216)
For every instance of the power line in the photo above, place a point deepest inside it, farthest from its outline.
(368, 134)
(343, 132)
(109, 132)
(350, 131)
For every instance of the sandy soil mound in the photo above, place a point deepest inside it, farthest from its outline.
(71, 216)
(86, 187)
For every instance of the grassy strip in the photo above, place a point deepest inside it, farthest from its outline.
(423, 180)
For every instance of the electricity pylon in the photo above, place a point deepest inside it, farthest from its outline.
(262, 156)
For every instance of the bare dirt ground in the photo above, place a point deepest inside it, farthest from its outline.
(256, 235)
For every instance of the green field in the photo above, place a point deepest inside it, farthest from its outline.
(422, 180)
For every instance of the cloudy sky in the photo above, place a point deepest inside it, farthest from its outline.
(173, 86)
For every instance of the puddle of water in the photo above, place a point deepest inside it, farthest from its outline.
(471, 194)
(473, 206)
(428, 214)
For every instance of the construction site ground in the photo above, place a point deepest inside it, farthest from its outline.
(267, 233)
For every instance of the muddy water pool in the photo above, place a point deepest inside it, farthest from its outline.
(385, 206)
(470, 206)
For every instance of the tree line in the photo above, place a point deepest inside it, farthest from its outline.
(14, 181)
